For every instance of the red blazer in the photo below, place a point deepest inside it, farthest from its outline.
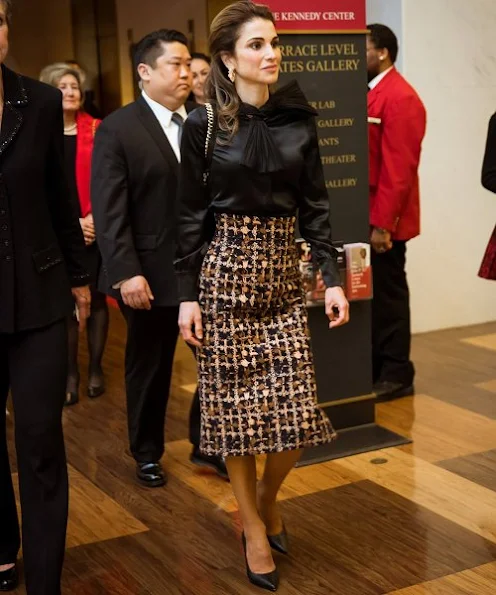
(86, 128)
(397, 121)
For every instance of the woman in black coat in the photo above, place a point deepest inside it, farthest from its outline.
(42, 257)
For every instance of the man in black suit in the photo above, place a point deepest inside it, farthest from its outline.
(42, 256)
(134, 183)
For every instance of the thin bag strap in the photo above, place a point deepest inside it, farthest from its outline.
(209, 141)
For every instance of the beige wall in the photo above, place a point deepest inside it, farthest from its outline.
(458, 215)
(139, 17)
(41, 33)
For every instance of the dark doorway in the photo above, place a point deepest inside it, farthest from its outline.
(97, 50)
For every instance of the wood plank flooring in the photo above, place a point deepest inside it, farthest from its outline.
(468, 582)
(421, 523)
(479, 468)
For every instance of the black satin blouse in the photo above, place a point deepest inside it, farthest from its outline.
(271, 167)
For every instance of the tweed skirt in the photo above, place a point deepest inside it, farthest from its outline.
(256, 374)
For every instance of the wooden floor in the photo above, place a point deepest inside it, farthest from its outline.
(422, 522)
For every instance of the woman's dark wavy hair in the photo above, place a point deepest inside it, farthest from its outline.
(200, 56)
(224, 33)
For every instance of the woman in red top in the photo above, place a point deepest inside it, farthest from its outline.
(79, 134)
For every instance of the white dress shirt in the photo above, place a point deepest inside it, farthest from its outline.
(164, 116)
(376, 80)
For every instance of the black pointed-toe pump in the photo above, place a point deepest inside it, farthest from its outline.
(268, 581)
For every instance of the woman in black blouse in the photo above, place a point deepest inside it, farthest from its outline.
(242, 302)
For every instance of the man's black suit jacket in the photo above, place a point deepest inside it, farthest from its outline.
(133, 192)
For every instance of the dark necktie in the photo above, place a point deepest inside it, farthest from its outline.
(179, 120)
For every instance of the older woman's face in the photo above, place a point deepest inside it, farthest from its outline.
(71, 93)
(4, 32)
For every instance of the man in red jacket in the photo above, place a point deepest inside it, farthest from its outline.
(397, 121)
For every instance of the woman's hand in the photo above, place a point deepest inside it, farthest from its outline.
(88, 227)
(336, 307)
(190, 323)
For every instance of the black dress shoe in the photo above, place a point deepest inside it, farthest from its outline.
(388, 391)
(150, 475)
(280, 542)
(215, 463)
(72, 391)
(96, 383)
(268, 581)
(71, 398)
(9, 579)
(96, 391)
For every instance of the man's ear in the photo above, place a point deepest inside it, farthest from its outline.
(384, 54)
(144, 71)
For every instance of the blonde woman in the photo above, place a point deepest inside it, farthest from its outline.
(79, 134)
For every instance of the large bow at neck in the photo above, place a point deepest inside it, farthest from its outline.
(286, 105)
(261, 152)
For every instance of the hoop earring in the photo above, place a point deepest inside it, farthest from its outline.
(231, 75)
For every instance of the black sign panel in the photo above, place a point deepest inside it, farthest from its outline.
(331, 70)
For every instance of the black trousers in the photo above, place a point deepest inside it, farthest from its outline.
(151, 343)
(391, 335)
(33, 365)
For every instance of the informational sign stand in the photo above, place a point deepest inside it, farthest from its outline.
(323, 46)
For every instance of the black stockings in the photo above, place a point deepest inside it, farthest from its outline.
(97, 332)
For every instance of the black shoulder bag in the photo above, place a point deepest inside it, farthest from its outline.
(210, 140)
